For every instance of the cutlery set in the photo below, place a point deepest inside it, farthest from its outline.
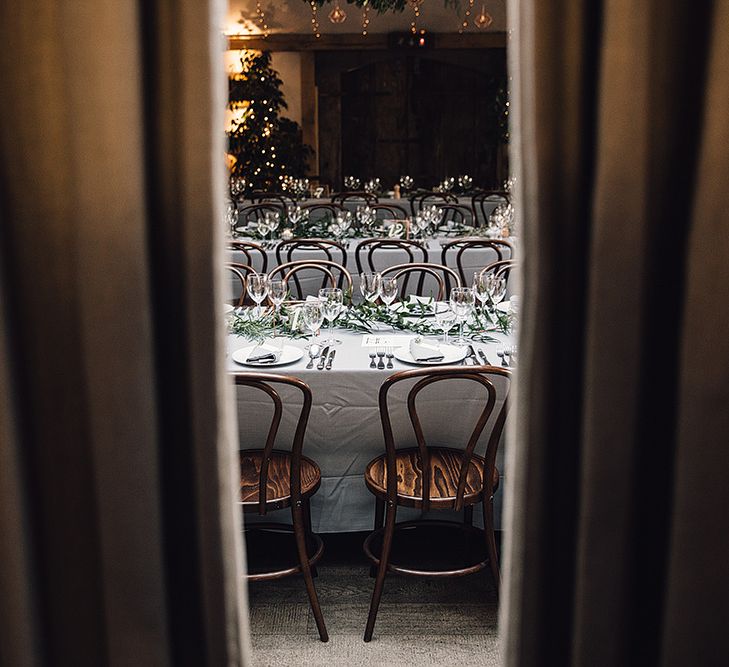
(326, 358)
(382, 353)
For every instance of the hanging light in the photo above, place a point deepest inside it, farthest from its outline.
(466, 18)
(484, 19)
(315, 19)
(337, 15)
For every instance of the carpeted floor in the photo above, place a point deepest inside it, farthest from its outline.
(421, 621)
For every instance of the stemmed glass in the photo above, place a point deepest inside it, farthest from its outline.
(444, 318)
(369, 286)
(462, 300)
(277, 292)
(258, 289)
(313, 315)
(388, 290)
(272, 222)
(231, 217)
(481, 288)
(496, 287)
(332, 301)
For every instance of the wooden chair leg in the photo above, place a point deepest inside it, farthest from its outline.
(379, 520)
(307, 527)
(468, 515)
(488, 527)
(298, 521)
(381, 571)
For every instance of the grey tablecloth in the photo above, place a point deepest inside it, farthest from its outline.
(345, 431)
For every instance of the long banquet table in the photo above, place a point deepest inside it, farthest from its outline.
(345, 432)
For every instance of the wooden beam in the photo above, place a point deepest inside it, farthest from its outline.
(373, 41)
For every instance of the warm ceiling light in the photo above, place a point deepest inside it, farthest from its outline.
(484, 19)
(337, 15)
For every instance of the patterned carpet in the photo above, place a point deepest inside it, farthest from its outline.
(421, 621)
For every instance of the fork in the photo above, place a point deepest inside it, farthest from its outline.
(390, 355)
(381, 362)
(373, 356)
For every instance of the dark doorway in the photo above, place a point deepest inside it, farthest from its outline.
(426, 115)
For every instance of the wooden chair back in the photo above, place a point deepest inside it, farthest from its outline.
(266, 382)
(459, 214)
(320, 211)
(483, 203)
(252, 252)
(389, 211)
(367, 250)
(255, 212)
(423, 269)
(281, 199)
(452, 253)
(420, 199)
(333, 275)
(425, 377)
(358, 196)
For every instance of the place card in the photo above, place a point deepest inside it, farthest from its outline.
(385, 341)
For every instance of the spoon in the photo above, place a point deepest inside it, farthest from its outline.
(507, 354)
(500, 355)
(313, 354)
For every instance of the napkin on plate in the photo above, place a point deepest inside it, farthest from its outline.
(422, 300)
(264, 354)
(423, 351)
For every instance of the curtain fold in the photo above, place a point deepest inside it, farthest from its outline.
(622, 428)
(120, 447)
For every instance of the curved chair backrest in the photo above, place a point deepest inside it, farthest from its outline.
(255, 212)
(420, 199)
(241, 272)
(252, 252)
(333, 274)
(484, 202)
(354, 196)
(423, 378)
(389, 211)
(264, 382)
(366, 251)
(453, 252)
(459, 214)
(281, 199)
(308, 249)
(320, 211)
(423, 269)
(502, 268)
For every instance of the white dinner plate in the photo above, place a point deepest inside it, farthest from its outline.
(452, 354)
(227, 308)
(504, 306)
(289, 355)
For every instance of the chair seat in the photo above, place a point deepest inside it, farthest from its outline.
(278, 488)
(445, 468)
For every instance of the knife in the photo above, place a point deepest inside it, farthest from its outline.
(331, 359)
(322, 359)
(484, 357)
(472, 354)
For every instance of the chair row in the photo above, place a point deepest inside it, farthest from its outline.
(334, 274)
(367, 252)
(476, 214)
(453, 477)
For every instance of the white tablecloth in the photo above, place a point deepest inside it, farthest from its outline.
(345, 431)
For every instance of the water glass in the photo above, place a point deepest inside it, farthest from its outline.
(277, 291)
(369, 286)
(313, 316)
(332, 300)
(388, 290)
(258, 289)
(444, 319)
(462, 300)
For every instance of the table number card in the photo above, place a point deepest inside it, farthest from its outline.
(385, 341)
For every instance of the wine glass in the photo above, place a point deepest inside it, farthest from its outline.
(262, 228)
(332, 300)
(258, 289)
(496, 287)
(481, 287)
(462, 300)
(369, 285)
(231, 217)
(388, 290)
(444, 319)
(272, 221)
(277, 291)
(313, 316)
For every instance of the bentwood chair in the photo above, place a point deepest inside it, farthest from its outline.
(490, 250)
(280, 199)
(308, 249)
(333, 275)
(272, 479)
(256, 212)
(354, 197)
(421, 199)
(442, 275)
(370, 254)
(484, 202)
(458, 214)
(389, 211)
(323, 211)
(500, 269)
(429, 478)
(254, 254)
(241, 273)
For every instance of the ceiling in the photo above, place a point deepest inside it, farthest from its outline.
(294, 16)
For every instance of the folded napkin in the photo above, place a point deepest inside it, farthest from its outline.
(263, 354)
(423, 351)
(422, 300)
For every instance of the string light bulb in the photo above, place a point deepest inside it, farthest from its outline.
(484, 19)
(315, 19)
(415, 4)
(464, 24)
(262, 19)
(365, 19)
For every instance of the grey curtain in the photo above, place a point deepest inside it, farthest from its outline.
(120, 543)
(618, 546)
